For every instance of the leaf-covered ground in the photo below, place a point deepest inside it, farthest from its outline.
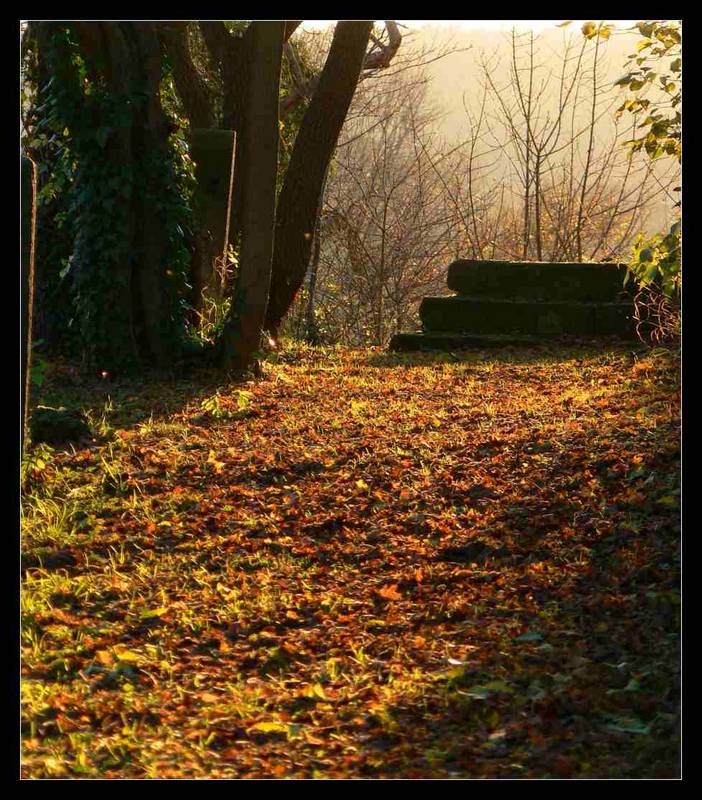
(362, 565)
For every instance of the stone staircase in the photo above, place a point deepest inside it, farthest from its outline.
(501, 303)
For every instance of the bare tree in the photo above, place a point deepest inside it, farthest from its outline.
(385, 226)
(579, 197)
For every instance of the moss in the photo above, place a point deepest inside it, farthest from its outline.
(537, 281)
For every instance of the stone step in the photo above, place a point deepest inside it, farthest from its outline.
(406, 342)
(537, 280)
(479, 315)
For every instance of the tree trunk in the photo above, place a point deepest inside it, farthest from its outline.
(211, 150)
(137, 325)
(311, 327)
(259, 152)
(27, 287)
(312, 152)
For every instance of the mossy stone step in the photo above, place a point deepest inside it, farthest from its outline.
(479, 315)
(537, 280)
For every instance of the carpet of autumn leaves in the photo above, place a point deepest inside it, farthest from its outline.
(362, 565)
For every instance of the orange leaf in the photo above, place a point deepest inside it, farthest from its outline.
(390, 592)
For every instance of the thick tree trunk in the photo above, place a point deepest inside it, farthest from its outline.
(28, 189)
(138, 324)
(192, 89)
(259, 151)
(312, 152)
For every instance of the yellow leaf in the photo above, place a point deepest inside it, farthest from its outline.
(316, 690)
(667, 500)
(269, 727)
(129, 656)
(54, 766)
(156, 612)
(218, 465)
(361, 484)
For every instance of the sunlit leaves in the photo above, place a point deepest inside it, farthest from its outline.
(591, 30)
(657, 52)
(288, 614)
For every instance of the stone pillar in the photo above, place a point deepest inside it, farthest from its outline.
(211, 150)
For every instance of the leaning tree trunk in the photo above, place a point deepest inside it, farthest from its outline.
(28, 189)
(259, 153)
(312, 152)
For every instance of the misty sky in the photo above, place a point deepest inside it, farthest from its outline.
(484, 24)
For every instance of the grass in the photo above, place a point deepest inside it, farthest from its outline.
(361, 565)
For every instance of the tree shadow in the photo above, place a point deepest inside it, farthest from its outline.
(548, 350)
(580, 675)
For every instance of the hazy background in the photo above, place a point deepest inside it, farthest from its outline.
(456, 80)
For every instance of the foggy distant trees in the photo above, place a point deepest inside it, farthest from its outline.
(540, 174)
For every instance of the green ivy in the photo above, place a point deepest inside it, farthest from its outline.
(48, 146)
(96, 193)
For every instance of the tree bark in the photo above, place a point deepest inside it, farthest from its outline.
(312, 152)
(138, 323)
(192, 89)
(27, 288)
(257, 146)
(311, 327)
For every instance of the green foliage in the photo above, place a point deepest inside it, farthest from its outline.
(656, 261)
(653, 78)
(50, 151)
(39, 367)
(35, 462)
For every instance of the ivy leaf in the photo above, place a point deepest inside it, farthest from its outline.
(482, 692)
(624, 80)
(102, 135)
(529, 636)
(628, 725)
